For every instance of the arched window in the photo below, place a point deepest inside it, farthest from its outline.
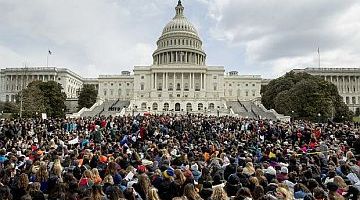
(200, 106)
(178, 87)
(155, 106)
(143, 106)
(177, 107)
(166, 106)
(211, 106)
(188, 107)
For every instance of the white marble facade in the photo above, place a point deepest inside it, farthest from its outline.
(347, 81)
(178, 78)
(12, 80)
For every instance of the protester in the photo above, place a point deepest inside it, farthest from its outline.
(165, 157)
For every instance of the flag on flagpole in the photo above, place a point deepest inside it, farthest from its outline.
(50, 52)
(318, 50)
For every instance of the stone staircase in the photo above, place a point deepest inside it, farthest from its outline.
(240, 109)
(258, 111)
(115, 108)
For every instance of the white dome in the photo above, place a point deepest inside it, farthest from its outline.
(179, 42)
(179, 23)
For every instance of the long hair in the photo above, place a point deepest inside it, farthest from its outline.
(96, 193)
(153, 194)
(340, 182)
(144, 183)
(219, 193)
(179, 177)
(23, 181)
(42, 174)
(190, 193)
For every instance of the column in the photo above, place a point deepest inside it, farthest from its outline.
(176, 56)
(205, 81)
(167, 80)
(182, 81)
(174, 85)
(190, 81)
(201, 81)
(163, 82)
(155, 81)
(193, 81)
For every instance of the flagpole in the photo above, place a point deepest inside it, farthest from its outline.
(319, 56)
(47, 59)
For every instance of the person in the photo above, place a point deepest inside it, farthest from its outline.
(21, 187)
(190, 192)
(63, 160)
(35, 192)
(219, 194)
(96, 176)
(153, 195)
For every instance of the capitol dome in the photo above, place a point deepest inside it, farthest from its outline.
(179, 42)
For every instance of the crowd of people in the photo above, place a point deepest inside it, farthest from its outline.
(177, 157)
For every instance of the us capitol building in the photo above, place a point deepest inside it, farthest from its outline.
(178, 80)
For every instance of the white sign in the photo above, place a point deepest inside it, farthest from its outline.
(43, 116)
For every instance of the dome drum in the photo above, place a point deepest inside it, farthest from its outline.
(179, 42)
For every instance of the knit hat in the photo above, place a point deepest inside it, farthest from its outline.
(194, 167)
(270, 170)
(168, 173)
(141, 168)
(284, 170)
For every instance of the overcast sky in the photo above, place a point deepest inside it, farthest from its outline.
(266, 37)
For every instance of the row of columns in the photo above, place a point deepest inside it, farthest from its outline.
(179, 57)
(345, 84)
(18, 81)
(165, 80)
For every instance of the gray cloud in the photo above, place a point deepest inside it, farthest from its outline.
(282, 34)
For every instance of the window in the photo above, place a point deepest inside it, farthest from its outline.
(253, 85)
(230, 84)
(200, 106)
(7, 98)
(104, 92)
(178, 95)
(111, 92)
(143, 105)
(119, 92)
(253, 93)
(159, 95)
(188, 107)
(119, 84)
(246, 84)
(353, 100)
(247, 93)
(211, 106)
(166, 106)
(215, 86)
(214, 77)
(347, 100)
(142, 77)
(155, 106)
(197, 86)
(238, 85)
(112, 84)
(142, 86)
(127, 84)
(186, 86)
(178, 87)
(170, 87)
